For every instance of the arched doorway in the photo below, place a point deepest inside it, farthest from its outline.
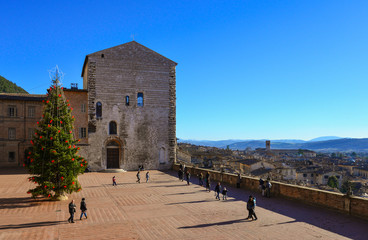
(113, 155)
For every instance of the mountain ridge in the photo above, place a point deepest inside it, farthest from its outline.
(335, 144)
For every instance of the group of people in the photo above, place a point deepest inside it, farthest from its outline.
(73, 207)
(265, 187)
(184, 172)
(205, 181)
(138, 178)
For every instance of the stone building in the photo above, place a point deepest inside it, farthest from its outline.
(19, 114)
(131, 108)
(125, 114)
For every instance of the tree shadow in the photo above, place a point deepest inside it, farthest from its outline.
(13, 170)
(339, 223)
(31, 225)
(8, 203)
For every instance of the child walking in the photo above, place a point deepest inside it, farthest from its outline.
(224, 194)
(147, 176)
(114, 181)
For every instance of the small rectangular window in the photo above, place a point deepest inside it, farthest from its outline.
(304, 175)
(11, 157)
(326, 176)
(83, 107)
(140, 99)
(126, 100)
(31, 132)
(11, 133)
(31, 112)
(12, 111)
(82, 133)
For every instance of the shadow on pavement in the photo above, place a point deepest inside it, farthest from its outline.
(218, 223)
(339, 223)
(30, 225)
(7, 203)
(12, 170)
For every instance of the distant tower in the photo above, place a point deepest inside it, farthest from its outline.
(268, 145)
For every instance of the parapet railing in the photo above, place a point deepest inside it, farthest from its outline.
(352, 205)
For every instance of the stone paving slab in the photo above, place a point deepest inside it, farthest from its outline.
(164, 208)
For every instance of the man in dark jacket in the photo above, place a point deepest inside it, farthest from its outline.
(83, 208)
(250, 207)
(72, 208)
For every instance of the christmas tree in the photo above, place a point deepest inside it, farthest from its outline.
(53, 161)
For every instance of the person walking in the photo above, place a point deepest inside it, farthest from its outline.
(224, 194)
(218, 190)
(147, 177)
(181, 174)
(268, 189)
(251, 204)
(238, 181)
(114, 181)
(138, 177)
(188, 177)
(83, 208)
(200, 177)
(72, 210)
(208, 182)
(261, 183)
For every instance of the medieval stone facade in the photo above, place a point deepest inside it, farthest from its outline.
(125, 114)
(131, 108)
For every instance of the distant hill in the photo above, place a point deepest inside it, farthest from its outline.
(337, 145)
(7, 86)
(324, 138)
(218, 144)
(331, 144)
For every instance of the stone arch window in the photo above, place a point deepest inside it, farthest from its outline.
(140, 99)
(98, 110)
(112, 128)
(126, 100)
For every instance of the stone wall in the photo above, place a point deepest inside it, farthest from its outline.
(146, 135)
(352, 205)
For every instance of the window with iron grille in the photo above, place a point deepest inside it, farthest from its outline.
(11, 157)
(82, 132)
(31, 112)
(11, 133)
(12, 111)
(83, 107)
(31, 132)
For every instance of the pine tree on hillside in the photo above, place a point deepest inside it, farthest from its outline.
(53, 161)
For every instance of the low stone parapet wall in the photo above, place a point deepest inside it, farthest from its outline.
(352, 205)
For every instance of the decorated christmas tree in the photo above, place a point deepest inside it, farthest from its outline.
(53, 160)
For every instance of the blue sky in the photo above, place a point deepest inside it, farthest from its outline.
(246, 69)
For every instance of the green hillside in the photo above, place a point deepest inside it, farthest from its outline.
(7, 86)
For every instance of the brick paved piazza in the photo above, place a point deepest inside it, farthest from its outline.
(162, 209)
